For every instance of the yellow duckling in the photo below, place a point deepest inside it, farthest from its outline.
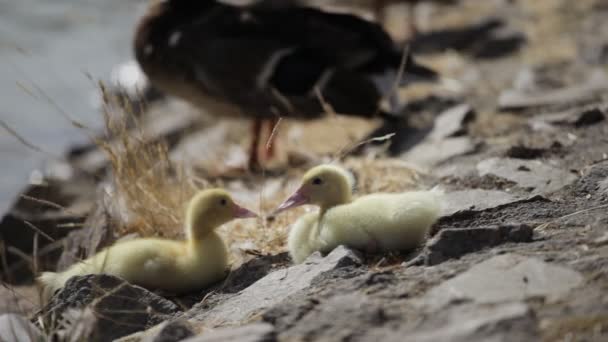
(385, 222)
(175, 266)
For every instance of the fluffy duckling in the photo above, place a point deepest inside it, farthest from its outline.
(174, 266)
(270, 59)
(376, 222)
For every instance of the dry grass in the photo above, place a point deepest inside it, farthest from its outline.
(147, 184)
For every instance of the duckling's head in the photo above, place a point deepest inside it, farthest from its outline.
(210, 209)
(323, 185)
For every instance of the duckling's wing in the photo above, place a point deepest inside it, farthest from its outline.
(142, 259)
(304, 237)
(348, 225)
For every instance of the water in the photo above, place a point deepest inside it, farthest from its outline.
(52, 45)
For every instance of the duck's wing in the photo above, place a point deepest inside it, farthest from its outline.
(263, 58)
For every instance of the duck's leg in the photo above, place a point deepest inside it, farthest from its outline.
(256, 128)
(411, 17)
(269, 146)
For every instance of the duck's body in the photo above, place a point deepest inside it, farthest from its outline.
(270, 59)
(260, 57)
(376, 222)
(174, 266)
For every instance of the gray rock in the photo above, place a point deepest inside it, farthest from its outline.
(273, 288)
(445, 140)
(504, 278)
(15, 328)
(475, 199)
(118, 308)
(506, 322)
(451, 122)
(168, 331)
(603, 186)
(455, 169)
(252, 271)
(589, 117)
(576, 117)
(533, 174)
(602, 240)
(525, 152)
(255, 332)
(432, 152)
(172, 331)
(336, 318)
(597, 84)
(455, 242)
(202, 145)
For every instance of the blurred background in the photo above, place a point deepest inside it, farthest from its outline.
(48, 52)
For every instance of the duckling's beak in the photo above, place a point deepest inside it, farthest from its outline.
(297, 199)
(240, 212)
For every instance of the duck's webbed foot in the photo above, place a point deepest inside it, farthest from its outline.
(254, 161)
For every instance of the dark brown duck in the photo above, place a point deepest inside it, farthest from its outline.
(267, 61)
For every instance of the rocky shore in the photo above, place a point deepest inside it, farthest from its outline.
(519, 144)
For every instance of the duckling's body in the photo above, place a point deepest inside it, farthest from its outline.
(377, 222)
(154, 264)
(174, 266)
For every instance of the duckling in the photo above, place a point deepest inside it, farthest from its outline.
(271, 59)
(174, 266)
(376, 222)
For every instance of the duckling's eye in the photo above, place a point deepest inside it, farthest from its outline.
(223, 201)
(317, 181)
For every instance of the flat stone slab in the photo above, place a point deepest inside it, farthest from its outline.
(475, 199)
(430, 153)
(452, 243)
(603, 186)
(255, 332)
(445, 140)
(337, 318)
(514, 99)
(532, 174)
(16, 328)
(504, 278)
(480, 323)
(451, 122)
(167, 331)
(272, 289)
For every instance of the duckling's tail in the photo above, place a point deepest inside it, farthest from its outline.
(438, 190)
(48, 281)
(439, 193)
